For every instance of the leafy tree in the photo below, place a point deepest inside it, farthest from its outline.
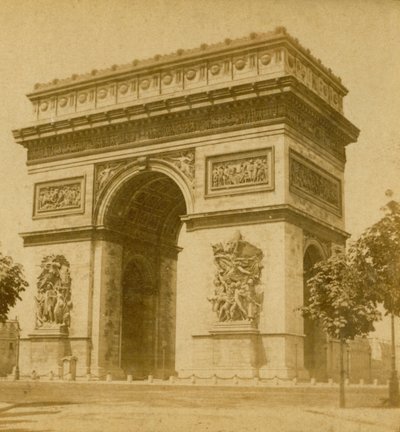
(12, 283)
(337, 303)
(377, 254)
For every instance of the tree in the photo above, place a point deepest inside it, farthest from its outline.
(12, 283)
(337, 303)
(377, 253)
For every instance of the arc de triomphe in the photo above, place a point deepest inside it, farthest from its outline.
(177, 204)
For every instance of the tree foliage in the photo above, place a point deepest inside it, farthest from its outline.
(12, 283)
(377, 254)
(337, 300)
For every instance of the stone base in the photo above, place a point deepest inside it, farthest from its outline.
(229, 349)
(48, 346)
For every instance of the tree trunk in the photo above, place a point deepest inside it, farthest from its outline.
(394, 398)
(342, 402)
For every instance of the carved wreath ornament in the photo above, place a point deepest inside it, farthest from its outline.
(237, 277)
(53, 300)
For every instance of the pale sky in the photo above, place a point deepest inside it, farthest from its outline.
(359, 40)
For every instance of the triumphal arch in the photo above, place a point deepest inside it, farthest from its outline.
(177, 204)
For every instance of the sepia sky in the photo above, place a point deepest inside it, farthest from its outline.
(360, 40)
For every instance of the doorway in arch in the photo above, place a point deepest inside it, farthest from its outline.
(315, 341)
(145, 212)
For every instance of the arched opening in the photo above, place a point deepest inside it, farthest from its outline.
(145, 214)
(315, 349)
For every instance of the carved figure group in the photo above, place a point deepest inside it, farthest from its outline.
(237, 276)
(250, 170)
(53, 300)
(59, 197)
(313, 183)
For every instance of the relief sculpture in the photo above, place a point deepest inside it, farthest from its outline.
(60, 196)
(314, 182)
(244, 171)
(184, 161)
(53, 299)
(237, 277)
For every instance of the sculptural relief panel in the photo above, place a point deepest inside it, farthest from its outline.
(53, 298)
(240, 172)
(59, 197)
(308, 180)
(237, 296)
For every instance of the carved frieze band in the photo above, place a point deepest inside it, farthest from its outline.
(240, 172)
(316, 184)
(59, 197)
(104, 172)
(241, 114)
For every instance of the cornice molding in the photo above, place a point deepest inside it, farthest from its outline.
(195, 222)
(290, 106)
(267, 214)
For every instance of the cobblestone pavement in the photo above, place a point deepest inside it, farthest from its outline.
(45, 407)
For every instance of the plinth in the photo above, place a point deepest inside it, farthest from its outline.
(230, 348)
(48, 346)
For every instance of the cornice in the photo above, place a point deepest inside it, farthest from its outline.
(267, 214)
(275, 101)
(195, 222)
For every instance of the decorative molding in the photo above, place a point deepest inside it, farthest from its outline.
(237, 278)
(262, 215)
(312, 182)
(59, 197)
(240, 172)
(250, 58)
(195, 222)
(53, 299)
(279, 108)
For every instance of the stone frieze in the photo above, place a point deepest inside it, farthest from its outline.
(272, 109)
(59, 197)
(307, 179)
(240, 172)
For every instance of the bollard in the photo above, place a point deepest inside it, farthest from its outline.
(34, 375)
(313, 381)
(129, 378)
(375, 382)
(51, 375)
(150, 379)
(108, 377)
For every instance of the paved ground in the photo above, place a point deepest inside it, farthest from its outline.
(97, 407)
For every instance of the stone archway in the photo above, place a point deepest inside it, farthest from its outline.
(315, 342)
(143, 219)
